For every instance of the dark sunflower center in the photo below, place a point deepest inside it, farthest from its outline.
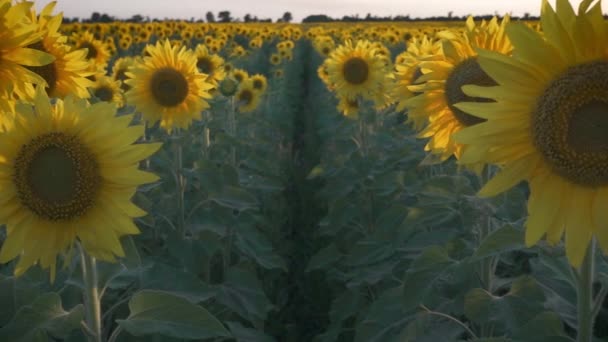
(467, 72)
(56, 177)
(570, 124)
(204, 65)
(245, 97)
(258, 84)
(325, 50)
(169, 87)
(239, 77)
(355, 71)
(104, 94)
(47, 72)
(92, 51)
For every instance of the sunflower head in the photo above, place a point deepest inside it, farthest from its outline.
(167, 87)
(355, 70)
(439, 80)
(546, 123)
(247, 97)
(68, 173)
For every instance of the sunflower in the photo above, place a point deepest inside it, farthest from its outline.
(17, 34)
(97, 52)
(275, 59)
(108, 90)
(260, 84)
(407, 71)
(209, 64)
(547, 125)
(355, 70)
(68, 172)
(440, 86)
(119, 71)
(324, 45)
(247, 97)
(348, 107)
(167, 86)
(66, 75)
(240, 75)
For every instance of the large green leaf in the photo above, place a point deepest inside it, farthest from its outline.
(177, 282)
(255, 245)
(523, 302)
(159, 312)
(324, 258)
(234, 197)
(384, 318)
(15, 292)
(43, 317)
(423, 273)
(243, 293)
(557, 278)
(504, 239)
(243, 334)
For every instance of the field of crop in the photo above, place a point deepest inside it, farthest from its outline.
(367, 182)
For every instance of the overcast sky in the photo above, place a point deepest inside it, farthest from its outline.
(299, 8)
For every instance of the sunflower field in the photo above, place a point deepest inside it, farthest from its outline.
(368, 182)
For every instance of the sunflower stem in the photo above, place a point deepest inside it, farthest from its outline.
(585, 296)
(180, 182)
(206, 134)
(487, 265)
(232, 130)
(92, 300)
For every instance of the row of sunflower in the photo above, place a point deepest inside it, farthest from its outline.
(414, 253)
(85, 123)
(511, 102)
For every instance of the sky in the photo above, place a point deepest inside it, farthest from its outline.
(274, 9)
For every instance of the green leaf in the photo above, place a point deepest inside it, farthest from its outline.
(423, 273)
(243, 334)
(479, 305)
(345, 305)
(44, 317)
(546, 326)
(15, 292)
(383, 319)
(502, 240)
(177, 282)
(324, 258)
(555, 274)
(519, 306)
(235, 198)
(256, 246)
(243, 293)
(159, 312)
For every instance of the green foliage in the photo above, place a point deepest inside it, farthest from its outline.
(295, 223)
(158, 312)
(42, 320)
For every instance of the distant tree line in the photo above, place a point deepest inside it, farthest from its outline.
(226, 17)
(322, 18)
(222, 17)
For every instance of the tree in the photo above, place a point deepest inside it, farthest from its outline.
(137, 18)
(210, 17)
(95, 17)
(224, 16)
(247, 18)
(287, 17)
